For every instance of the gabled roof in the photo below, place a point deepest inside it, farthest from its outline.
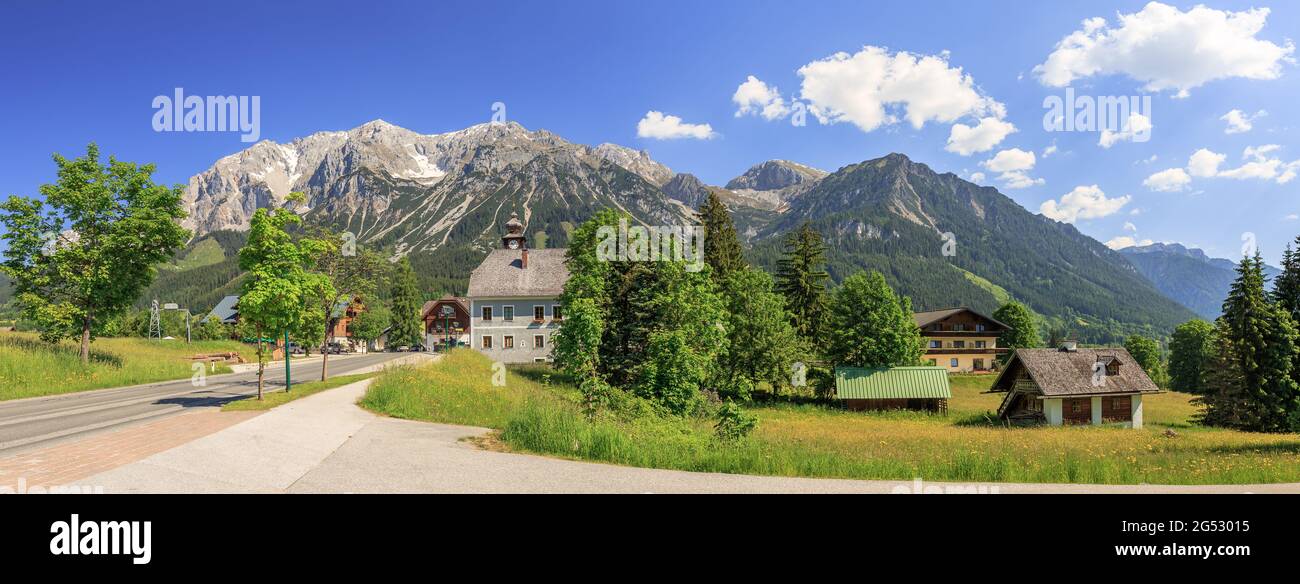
(461, 303)
(502, 274)
(226, 310)
(928, 317)
(892, 383)
(1070, 373)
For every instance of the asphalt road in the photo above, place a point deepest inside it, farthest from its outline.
(37, 422)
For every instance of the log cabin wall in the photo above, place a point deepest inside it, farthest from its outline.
(1117, 408)
(1076, 410)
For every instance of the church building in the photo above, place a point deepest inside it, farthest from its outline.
(514, 299)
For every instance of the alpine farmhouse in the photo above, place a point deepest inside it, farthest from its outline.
(960, 339)
(514, 299)
(1069, 386)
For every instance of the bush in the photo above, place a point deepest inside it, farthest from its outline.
(734, 423)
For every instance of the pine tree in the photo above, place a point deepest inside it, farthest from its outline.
(1224, 394)
(406, 329)
(801, 278)
(722, 249)
(1264, 340)
(1286, 290)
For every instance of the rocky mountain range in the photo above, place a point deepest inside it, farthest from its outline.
(442, 199)
(1188, 275)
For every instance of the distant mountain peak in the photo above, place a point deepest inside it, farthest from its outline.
(774, 175)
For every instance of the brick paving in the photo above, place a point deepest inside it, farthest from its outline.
(66, 463)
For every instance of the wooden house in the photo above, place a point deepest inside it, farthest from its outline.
(1069, 385)
(960, 339)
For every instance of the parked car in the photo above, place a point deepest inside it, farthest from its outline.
(296, 349)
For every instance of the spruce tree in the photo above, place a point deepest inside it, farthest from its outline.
(1264, 340)
(406, 329)
(801, 278)
(722, 249)
(1286, 290)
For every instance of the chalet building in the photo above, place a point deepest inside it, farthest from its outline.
(446, 322)
(960, 339)
(514, 299)
(226, 311)
(1069, 386)
(893, 388)
(341, 318)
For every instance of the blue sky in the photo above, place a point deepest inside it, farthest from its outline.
(590, 71)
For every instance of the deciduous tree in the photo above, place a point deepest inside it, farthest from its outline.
(870, 326)
(81, 256)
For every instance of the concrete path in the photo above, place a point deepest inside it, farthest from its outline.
(325, 444)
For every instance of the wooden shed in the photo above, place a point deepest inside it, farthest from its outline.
(893, 388)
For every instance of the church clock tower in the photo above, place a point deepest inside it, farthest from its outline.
(514, 238)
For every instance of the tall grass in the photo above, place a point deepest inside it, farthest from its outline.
(30, 367)
(820, 441)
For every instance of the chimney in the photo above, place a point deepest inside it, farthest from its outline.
(1069, 346)
(524, 261)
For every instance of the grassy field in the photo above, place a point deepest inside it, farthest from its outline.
(30, 367)
(279, 397)
(536, 413)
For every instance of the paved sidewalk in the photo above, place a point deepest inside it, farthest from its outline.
(325, 444)
(68, 463)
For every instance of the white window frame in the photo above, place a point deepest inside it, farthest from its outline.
(543, 318)
(507, 313)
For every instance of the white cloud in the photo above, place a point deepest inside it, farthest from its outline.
(1167, 49)
(1292, 217)
(1084, 202)
(990, 131)
(1050, 150)
(1013, 166)
(1124, 241)
(1240, 122)
(1009, 160)
(1129, 226)
(873, 87)
(1169, 180)
(753, 97)
(1260, 164)
(1136, 128)
(977, 177)
(1204, 163)
(659, 126)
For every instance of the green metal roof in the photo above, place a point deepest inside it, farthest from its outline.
(892, 383)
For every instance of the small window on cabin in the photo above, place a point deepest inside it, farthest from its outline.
(487, 313)
(952, 362)
(539, 341)
(507, 313)
(981, 344)
(1075, 407)
(936, 327)
(979, 327)
(539, 313)
(959, 344)
(958, 327)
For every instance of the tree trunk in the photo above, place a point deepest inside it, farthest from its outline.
(325, 354)
(85, 340)
(261, 364)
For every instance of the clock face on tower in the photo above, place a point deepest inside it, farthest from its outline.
(513, 244)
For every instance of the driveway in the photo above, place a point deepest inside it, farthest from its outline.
(326, 444)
